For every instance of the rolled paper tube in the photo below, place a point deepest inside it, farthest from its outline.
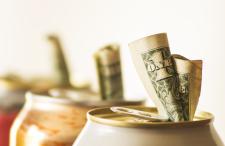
(190, 77)
(61, 68)
(109, 72)
(152, 59)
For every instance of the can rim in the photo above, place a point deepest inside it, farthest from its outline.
(13, 85)
(97, 115)
(31, 96)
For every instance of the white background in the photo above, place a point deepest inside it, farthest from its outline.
(196, 29)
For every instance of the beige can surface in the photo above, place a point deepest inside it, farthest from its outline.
(51, 121)
(105, 128)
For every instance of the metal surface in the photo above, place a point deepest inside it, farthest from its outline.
(105, 128)
(107, 117)
(47, 120)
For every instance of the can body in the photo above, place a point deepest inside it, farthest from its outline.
(52, 121)
(46, 121)
(10, 104)
(6, 120)
(98, 133)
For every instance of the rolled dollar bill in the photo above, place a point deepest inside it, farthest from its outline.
(154, 64)
(109, 72)
(190, 77)
(62, 71)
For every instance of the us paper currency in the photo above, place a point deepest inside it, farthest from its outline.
(154, 64)
(61, 68)
(189, 76)
(109, 72)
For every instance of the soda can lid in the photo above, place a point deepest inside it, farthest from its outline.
(78, 98)
(92, 99)
(106, 116)
(147, 116)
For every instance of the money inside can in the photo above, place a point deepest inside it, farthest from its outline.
(172, 81)
(109, 72)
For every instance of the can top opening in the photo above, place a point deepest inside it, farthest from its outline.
(106, 117)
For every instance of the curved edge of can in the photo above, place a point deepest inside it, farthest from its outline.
(106, 117)
(31, 96)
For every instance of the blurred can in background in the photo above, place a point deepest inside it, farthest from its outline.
(11, 101)
(52, 121)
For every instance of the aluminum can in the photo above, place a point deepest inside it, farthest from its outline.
(49, 121)
(105, 128)
(11, 101)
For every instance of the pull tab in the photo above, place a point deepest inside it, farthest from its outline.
(139, 114)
